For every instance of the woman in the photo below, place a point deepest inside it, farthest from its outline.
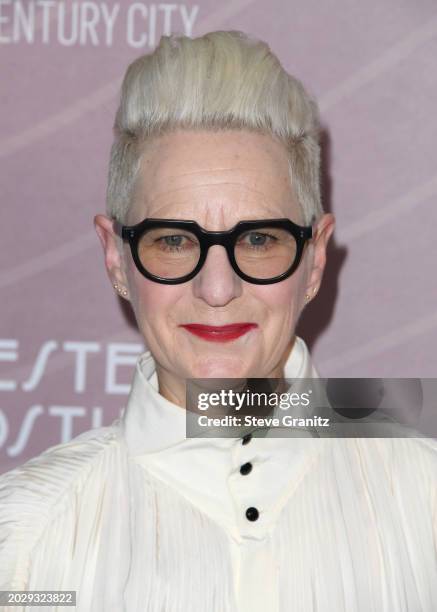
(212, 135)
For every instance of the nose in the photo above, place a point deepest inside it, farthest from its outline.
(217, 283)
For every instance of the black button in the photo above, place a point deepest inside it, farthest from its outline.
(246, 468)
(246, 439)
(252, 514)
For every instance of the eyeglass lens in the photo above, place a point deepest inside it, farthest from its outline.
(173, 253)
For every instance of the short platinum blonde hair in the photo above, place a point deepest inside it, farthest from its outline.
(222, 80)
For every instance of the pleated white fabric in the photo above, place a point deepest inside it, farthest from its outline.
(135, 517)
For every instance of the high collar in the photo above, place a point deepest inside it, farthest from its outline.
(152, 423)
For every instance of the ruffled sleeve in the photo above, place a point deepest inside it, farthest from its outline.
(52, 510)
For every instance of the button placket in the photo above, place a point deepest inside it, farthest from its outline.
(246, 439)
(250, 513)
(246, 468)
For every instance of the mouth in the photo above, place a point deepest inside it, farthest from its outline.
(219, 333)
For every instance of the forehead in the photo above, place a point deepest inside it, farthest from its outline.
(204, 174)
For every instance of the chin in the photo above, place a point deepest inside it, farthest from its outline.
(220, 367)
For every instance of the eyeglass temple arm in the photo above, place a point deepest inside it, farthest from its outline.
(118, 227)
(314, 228)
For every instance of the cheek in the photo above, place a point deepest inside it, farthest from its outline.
(147, 297)
(284, 297)
(152, 298)
(154, 301)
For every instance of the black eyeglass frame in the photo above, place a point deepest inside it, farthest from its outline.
(227, 239)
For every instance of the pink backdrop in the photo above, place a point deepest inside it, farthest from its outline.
(67, 344)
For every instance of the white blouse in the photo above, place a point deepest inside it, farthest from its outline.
(136, 517)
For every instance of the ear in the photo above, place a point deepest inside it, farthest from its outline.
(322, 233)
(113, 261)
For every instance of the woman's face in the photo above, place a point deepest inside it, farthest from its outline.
(217, 179)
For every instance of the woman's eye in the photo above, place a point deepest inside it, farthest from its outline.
(255, 239)
(173, 240)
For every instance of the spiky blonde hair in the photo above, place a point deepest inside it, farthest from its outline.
(222, 80)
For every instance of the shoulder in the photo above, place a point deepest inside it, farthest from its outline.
(417, 457)
(34, 494)
(418, 452)
(59, 465)
(409, 464)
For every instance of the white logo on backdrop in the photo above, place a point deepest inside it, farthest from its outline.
(60, 418)
(92, 23)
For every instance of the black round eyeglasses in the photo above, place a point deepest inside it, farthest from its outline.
(173, 251)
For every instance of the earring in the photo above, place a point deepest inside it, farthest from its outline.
(122, 291)
(308, 297)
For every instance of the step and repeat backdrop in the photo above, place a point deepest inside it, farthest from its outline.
(68, 344)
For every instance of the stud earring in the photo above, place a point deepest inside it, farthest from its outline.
(308, 297)
(120, 290)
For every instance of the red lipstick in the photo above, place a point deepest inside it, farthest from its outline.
(219, 333)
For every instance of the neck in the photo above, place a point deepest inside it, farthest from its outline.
(174, 388)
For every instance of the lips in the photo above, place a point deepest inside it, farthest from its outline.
(219, 333)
